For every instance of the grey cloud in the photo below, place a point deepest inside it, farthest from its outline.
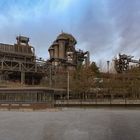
(104, 27)
(126, 15)
(109, 27)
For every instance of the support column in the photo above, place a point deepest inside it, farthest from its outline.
(22, 77)
(33, 80)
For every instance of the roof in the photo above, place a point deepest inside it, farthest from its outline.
(63, 36)
(52, 46)
(66, 36)
(30, 89)
(22, 38)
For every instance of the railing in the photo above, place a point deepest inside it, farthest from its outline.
(96, 102)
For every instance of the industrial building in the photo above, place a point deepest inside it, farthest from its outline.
(122, 63)
(63, 53)
(18, 62)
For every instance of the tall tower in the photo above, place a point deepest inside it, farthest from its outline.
(63, 53)
(62, 49)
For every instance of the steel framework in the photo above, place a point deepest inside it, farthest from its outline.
(122, 63)
(19, 60)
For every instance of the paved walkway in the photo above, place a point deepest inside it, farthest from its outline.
(71, 124)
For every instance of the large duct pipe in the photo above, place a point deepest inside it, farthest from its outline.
(56, 51)
(62, 49)
(51, 51)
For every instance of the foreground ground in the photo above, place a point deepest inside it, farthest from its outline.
(71, 124)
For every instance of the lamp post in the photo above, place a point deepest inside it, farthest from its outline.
(108, 66)
(68, 84)
(50, 76)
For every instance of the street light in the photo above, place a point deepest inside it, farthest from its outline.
(68, 84)
(108, 66)
(50, 76)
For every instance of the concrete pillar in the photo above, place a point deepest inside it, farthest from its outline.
(22, 77)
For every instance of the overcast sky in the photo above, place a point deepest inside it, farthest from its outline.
(104, 27)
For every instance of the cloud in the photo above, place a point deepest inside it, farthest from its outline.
(126, 16)
(104, 27)
(95, 29)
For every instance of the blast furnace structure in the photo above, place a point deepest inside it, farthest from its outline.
(18, 62)
(63, 53)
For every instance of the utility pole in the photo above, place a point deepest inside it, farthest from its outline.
(68, 84)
